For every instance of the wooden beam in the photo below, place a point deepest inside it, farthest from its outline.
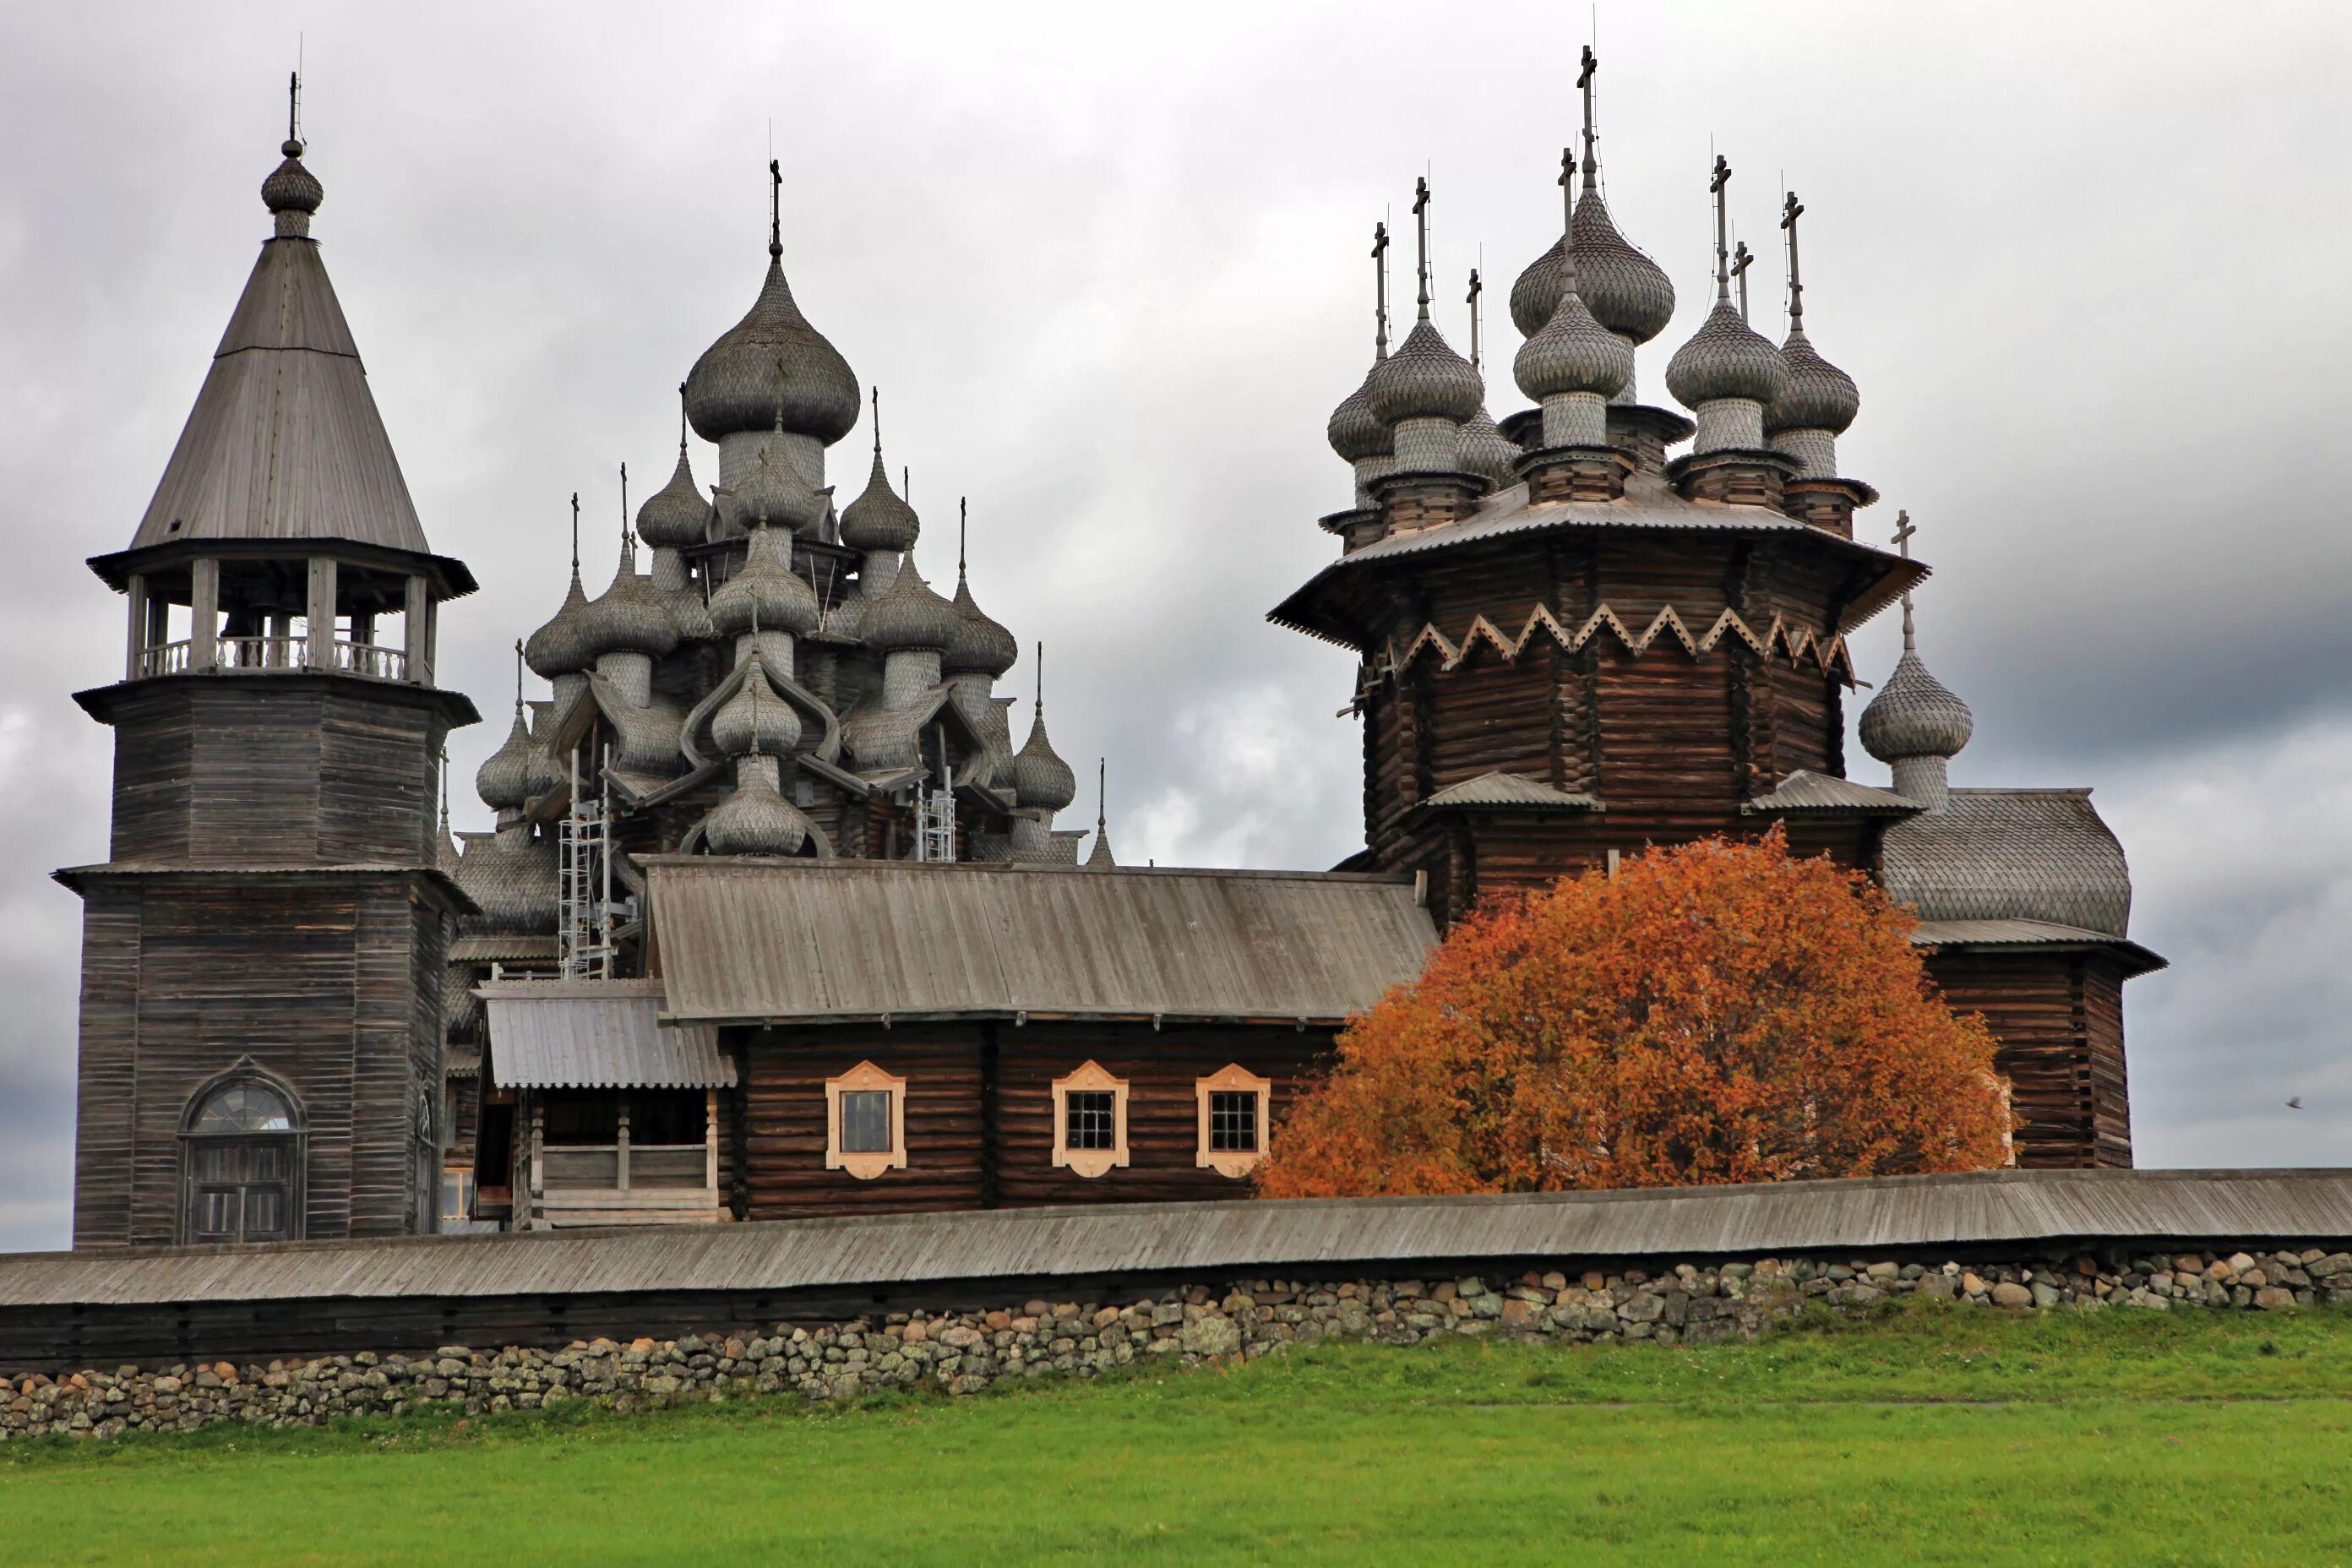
(320, 605)
(416, 625)
(203, 612)
(134, 650)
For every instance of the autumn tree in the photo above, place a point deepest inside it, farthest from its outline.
(1722, 1011)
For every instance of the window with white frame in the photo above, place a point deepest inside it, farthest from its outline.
(1232, 1106)
(1089, 1122)
(865, 1123)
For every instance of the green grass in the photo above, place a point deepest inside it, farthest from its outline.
(1935, 1435)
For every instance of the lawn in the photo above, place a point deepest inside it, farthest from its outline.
(1944, 1434)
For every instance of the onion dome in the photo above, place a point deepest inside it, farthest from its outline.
(1573, 351)
(1724, 358)
(1625, 291)
(773, 491)
(1819, 395)
(292, 188)
(981, 646)
(765, 591)
(755, 820)
(845, 616)
(755, 720)
(1426, 379)
(514, 883)
(692, 614)
(1041, 780)
(1488, 452)
(1355, 432)
(1914, 715)
(508, 780)
(676, 515)
(773, 364)
(878, 519)
(630, 616)
(911, 616)
(560, 647)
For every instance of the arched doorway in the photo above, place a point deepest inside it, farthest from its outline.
(241, 1166)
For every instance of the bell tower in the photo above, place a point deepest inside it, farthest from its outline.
(264, 947)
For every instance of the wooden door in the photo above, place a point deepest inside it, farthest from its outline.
(241, 1189)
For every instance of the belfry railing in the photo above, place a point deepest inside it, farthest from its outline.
(276, 653)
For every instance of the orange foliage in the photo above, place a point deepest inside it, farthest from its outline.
(1719, 1012)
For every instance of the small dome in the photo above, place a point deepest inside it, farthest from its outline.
(910, 614)
(1819, 395)
(981, 646)
(774, 491)
(1355, 432)
(516, 884)
(1041, 780)
(292, 188)
(509, 780)
(755, 820)
(630, 616)
(1913, 715)
(676, 515)
(756, 719)
(765, 591)
(1488, 452)
(1426, 379)
(1726, 358)
(845, 616)
(560, 647)
(1625, 291)
(692, 614)
(736, 384)
(878, 519)
(1573, 353)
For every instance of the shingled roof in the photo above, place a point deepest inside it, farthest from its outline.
(2011, 854)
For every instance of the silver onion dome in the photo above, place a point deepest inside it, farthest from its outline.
(560, 647)
(290, 187)
(1488, 452)
(508, 779)
(1355, 432)
(910, 614)
(1041, 780)
(755, 820)
(1573, 353)
(1724, 358)
(878, 519)
(773, 491)
(1627, 292)
(1914, 715)
(514, 884)
(676, 515)
(765, 593)
(756, 719)
(630, 616)
(1426, 379)
(738, 384)
(1819, 395)
(981, 646)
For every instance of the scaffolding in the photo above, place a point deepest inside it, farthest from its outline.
(935, 814)
(585, 881)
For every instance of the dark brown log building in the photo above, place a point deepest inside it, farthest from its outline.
(775, 919)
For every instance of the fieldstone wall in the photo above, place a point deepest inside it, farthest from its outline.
(962, 1353)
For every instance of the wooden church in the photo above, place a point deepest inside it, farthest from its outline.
(775, 919)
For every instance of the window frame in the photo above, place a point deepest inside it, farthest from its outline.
(294, 1141)
(865, 1166)
(1232, 1078)
(1090, 1164)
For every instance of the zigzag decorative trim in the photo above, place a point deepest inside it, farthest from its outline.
(1795, 643)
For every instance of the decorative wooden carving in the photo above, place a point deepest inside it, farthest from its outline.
(866, 1164)
(1090, 1162)
(1233, 1078)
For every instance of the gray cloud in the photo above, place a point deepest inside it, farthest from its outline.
(1109, 276)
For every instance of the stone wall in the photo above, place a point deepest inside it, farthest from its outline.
(964, 1353)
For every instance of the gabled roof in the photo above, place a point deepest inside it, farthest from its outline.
(784, 940)
(284, 442)
(1508, 792)
(1810, 793)
(595, 1034)
(2011, 854)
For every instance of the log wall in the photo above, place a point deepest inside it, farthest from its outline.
(2059, 1020)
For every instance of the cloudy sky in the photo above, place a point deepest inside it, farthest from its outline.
(2086, 263)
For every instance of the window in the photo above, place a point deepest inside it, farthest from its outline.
(241, 1160)
(865, 1123)
(1089, 1122)
(1233, 1105)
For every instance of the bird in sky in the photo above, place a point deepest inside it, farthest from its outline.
(2294, 1103)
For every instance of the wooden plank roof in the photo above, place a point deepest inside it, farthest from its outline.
(2159, 1208)
(801, 941)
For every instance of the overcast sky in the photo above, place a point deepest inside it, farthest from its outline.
(2086, 262)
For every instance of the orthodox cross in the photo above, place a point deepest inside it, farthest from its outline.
(775, 209)
(518, 686)
(625, 508)
(1790, 210)
(1584, 85)
(294, 107)
(1102, 793)
(963, 521)
(1568, 212)
(681, 419)
(1038, 716)
(576, 534)
(1742, 258)
(1903, 529)
(1380, 291)
(1421, 240)
(878, 420)
(1476, 289)
(1722, 240)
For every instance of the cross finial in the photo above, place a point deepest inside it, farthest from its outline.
(1903, 529)
(1790, 210)
(681, 419)
(518, 679)
(1717, 185)
(877, 421)
(963, 523)
(1584, 84)
(576, 534)
(1040, 712)
(1102, 793)
(775, 209)
(1476, 289)
(1379, 290)
(294, 111)
(1742, 258)
(1421, 227)
(625, 503)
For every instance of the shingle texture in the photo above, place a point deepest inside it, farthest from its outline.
(1508, 792)
(2011, 854)
(1806, 791)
